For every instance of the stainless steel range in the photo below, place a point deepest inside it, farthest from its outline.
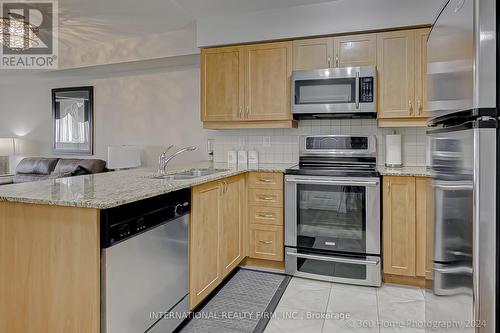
(332, 211)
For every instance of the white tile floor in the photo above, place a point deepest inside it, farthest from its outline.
(310, 306)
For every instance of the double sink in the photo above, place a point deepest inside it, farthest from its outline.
(189, 174)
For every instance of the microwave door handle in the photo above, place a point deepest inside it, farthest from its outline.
(335, 259)
(333, 182)
(357, 90)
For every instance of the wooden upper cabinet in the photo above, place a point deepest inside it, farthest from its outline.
(233, 209)
(269, 68)
(204, 259)
(421, 72)
(222, 93)
(399, 225)
(396, 77)
(313, 53)
(355, 50)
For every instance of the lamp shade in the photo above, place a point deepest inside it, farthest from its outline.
(124, 157)
(7, 146)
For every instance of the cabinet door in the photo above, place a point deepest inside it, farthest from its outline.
(399, 225)
(313, 53)
(222, 84)
(396, 79)
(269, 68)
(356, 50)
(424, 218)
(421, 72)
(232, 223)
(266, 242)
(204, 263)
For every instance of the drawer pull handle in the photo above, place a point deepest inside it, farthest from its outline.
(266, 241)
(266, 216)
(264, 180)
(265, 198)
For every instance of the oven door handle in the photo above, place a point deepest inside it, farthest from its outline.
(357, 90)
(335, 259)
(333, 182)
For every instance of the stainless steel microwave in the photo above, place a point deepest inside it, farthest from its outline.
(335, 92)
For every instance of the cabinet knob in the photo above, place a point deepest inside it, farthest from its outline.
(265, 198)
(419, 107)
(411, 107)
(336, 60)
(329, 62)
(266, 241)
(265, 216)
(264, 180)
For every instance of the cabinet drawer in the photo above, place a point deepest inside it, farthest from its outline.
(265, 180)
(266, 242)
(268, 198)
(265, 215)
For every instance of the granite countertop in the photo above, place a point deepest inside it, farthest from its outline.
(111, 189)
(421, 171)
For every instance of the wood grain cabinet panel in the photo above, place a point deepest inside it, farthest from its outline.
(50, 278)
(205, 272)
(266, 180)
(265, 215)
(233, 208)
(396, 77)
(313, 53)
(269, 68)
(222, 81)
(424, 217)
(421, 36)
(355, 50)
(216, 234)
(265, 198)
(266, 242)
(399, 225)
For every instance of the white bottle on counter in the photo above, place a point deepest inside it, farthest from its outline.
(242, 159)
(253, 159)
(231, 159)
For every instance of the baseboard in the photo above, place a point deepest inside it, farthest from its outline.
(414, 281)
(262, 264)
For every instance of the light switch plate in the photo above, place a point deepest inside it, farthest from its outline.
(266, 141)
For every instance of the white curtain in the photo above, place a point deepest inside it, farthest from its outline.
(71, 126)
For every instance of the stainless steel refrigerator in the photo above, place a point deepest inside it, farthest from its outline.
(463, 127)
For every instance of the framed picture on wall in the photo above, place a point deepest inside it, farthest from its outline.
(73, 120)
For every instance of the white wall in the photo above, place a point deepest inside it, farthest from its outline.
(318, 19)
(151, 110)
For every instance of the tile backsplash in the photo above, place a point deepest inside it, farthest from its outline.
(282, 145)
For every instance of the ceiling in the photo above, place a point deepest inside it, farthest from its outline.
(136, 18)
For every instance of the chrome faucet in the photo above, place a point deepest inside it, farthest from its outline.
(164, 160)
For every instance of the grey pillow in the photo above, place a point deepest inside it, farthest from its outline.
(77, 167)
(36, 165)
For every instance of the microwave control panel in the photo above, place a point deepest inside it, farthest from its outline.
(366, 89)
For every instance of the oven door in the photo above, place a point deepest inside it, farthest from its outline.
(334, 90)
(333, 214)
(361, 270)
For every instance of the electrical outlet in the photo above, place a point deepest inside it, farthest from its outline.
(266, 141)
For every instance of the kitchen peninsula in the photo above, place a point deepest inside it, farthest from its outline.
(50, 246)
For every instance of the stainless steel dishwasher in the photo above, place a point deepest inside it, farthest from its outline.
(144, 264)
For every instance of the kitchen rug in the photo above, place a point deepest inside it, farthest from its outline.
(243, 305)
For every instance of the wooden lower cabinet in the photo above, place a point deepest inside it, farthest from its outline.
(407, 224)
(205, 272)
(266, 242)
(220, 236)
(215, 234)
(233, 207)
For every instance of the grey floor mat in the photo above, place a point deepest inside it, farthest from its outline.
(235, 308)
